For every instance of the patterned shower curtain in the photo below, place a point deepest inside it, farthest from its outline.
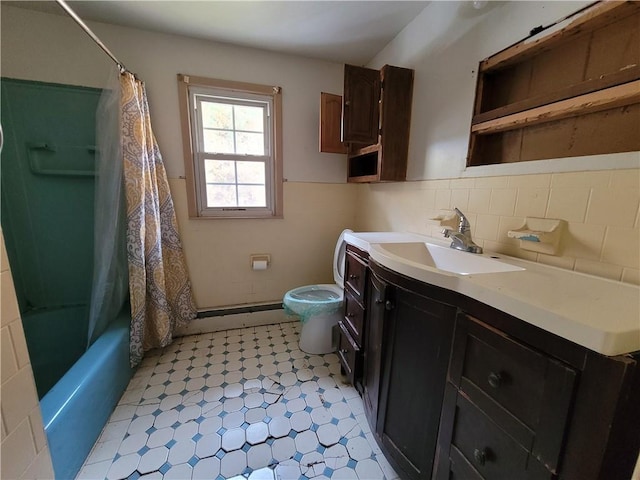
(160, 291)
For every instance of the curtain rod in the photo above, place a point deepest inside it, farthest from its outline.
(93, 36)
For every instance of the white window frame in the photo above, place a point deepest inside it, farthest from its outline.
(194, 90)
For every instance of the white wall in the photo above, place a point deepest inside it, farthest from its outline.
(318, 202)
(444, 44)
(52, 48)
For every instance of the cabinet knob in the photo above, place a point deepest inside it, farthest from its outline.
(379, 301)
(494, 379)
(480, 455)
(388, 305)
(351, 314)
(353, 277)
(344, 351)
(347, 103)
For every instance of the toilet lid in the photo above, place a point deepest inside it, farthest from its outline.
(338, 259)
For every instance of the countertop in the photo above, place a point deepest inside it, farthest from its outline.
(600, 314)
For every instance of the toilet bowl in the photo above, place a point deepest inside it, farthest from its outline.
(319, 306)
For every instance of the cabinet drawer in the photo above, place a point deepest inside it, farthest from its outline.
(488, 449)
(526, 392)
(349, 354)
(353, 316)
(355, 275)
(509, 372)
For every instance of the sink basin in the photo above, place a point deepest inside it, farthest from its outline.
(446, 259)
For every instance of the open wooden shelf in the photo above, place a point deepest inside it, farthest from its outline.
(579, 82)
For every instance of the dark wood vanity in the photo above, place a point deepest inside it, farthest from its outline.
(455, 389)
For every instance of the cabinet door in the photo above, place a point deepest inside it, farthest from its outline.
(361, 112)
(417, 346)
(330, 124)
(373, 348)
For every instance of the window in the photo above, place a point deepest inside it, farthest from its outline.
(232, 145)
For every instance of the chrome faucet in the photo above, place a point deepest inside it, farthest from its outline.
(461, 240)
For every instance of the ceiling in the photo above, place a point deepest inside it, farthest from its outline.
(342, 31)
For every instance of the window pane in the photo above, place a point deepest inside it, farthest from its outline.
(216, 141)
(249, 118)
(221, 196)
(250, 143)
(220, 171)
(217, 115)
(252, 196)
(251, 172)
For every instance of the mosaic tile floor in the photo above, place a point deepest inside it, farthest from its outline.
(238, 404)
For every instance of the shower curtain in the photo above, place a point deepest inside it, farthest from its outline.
(109, 286)
(159, 288)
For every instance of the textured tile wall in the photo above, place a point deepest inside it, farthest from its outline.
(23, 448)
(602, 209)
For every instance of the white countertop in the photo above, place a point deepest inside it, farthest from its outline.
(599, 314)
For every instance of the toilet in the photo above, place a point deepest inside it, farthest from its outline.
(319, 306)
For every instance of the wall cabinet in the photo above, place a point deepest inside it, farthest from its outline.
(361, 105)
(375, 120)
(453, 388)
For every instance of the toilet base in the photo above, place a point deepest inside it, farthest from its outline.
(316, 334)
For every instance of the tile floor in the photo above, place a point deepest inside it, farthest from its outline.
(239, 404)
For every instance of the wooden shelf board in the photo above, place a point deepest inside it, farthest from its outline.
(364, 150)
(627, 75)
(618, 96)
(599, 15)
(363, 179)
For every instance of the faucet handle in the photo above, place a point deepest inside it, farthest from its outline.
(464, 223)
(446, 232)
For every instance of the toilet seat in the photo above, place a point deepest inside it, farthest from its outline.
(311, 300)
(338, 258)
(322, 298)
(319, 306)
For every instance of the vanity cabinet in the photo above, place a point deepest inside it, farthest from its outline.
(416, 345)
(352, 324)
(372, 352)
(456, 389)
(507, 407)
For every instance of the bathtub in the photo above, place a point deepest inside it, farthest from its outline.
(78, 405)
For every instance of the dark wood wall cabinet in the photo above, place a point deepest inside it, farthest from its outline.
(572, 92)
(455, 389)
(375, 123)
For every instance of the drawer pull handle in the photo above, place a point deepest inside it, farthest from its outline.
(480, 456)
(379, 301)
(495, 379)
(353, 277)
(351, 314)
(344, 351)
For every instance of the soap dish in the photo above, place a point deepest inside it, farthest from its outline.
(540, 235)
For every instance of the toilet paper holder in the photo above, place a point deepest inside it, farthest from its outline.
(259, 261)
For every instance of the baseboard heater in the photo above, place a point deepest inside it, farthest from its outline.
(221, 312)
